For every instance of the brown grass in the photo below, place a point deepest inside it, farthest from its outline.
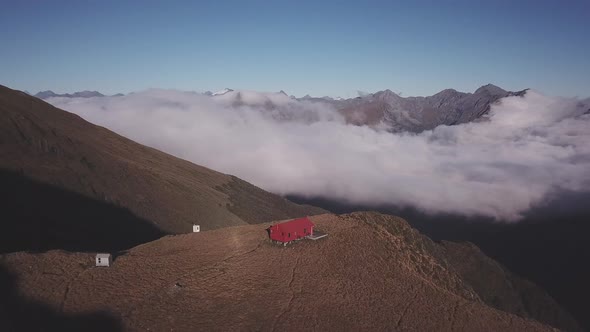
(371, 273)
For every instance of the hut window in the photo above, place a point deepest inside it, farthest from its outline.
(289, 234)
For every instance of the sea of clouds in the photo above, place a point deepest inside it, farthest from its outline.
(527, 149)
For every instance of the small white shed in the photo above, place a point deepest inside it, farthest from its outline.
(103, 259)
(196, 228)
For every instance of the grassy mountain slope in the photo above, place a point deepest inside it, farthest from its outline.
(373, 272)
(51, 147)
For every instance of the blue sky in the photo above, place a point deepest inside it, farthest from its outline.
(303, 47)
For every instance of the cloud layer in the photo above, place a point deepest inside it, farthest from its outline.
(526, 149)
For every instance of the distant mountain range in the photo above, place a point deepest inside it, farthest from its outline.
(80, 94)
(415, 114)
(384, 108)
(388, 109)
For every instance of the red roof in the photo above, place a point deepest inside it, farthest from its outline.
(295, 225)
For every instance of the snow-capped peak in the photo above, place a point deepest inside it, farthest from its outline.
(222, 92)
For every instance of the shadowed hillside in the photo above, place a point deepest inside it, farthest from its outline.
(19, 313)
(50, 146)
(40, 217)
(372, 272)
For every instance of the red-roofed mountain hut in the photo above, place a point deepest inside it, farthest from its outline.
(291, 230)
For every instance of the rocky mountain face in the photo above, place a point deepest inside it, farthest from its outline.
(73, 185)
(416, 114)
(388, 110)
(372, 272)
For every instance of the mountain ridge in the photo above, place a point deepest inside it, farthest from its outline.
(416, 114)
